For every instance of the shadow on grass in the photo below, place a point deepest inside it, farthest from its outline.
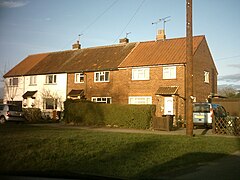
(134, 160)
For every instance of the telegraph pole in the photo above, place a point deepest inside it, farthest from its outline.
(189, 69)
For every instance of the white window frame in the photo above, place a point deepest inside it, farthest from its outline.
(101, 76)
(206, 77)
(140, 100)
(141, 73)
(106, 100)
(169, 72)
(54, 103)
(54, 79)
(79, 78)
(13, 81)
(33, 80)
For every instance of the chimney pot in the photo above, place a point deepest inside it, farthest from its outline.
(124, 41)
(76, 46)
(160, 35)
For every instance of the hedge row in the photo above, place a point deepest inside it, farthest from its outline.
(32, 115)
(127, 116)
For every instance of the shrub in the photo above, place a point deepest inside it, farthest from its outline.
(89, 113)
(32, 114)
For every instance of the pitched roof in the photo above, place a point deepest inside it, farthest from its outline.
(88, 59)
(24, 66)
(169, 51)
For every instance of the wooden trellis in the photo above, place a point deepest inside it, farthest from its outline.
(228, 126)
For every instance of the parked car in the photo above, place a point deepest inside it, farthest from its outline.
(10, 112)
(203, 113)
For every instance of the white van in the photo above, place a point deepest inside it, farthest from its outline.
(203, 113)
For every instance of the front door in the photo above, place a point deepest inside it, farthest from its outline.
(168, 105)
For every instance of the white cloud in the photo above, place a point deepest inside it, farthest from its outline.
(230, 78)
(13, 4)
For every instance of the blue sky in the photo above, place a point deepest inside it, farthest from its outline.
(33, 26)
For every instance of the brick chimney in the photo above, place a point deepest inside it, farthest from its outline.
(76, 46)
(160, 35)
(124, 41)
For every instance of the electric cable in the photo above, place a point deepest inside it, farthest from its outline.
(130, 20)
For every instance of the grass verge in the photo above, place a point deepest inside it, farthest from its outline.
(66, 152)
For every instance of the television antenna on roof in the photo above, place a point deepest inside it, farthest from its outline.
(127, 34)
(163, 20)
(79, 37)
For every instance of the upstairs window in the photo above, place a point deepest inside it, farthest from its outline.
(13, 81)
(51, 79)
(206, 76)
(140, 74)
(169, 72)
(79, 78)
(33, 80)
(101, 76)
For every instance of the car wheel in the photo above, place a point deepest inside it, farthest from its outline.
(2, 120)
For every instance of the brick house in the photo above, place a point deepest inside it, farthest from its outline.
(152, 72)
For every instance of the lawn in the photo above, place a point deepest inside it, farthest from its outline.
(72, 152)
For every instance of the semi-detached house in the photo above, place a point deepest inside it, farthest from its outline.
(152, 72)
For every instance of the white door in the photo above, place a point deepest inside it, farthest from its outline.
(168, 105)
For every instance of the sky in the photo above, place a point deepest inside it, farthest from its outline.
(33, 26)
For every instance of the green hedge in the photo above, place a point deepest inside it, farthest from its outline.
(32, 115)
(127, 116)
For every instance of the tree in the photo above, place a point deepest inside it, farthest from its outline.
(229, 92)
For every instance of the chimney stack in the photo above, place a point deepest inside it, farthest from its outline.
(76, 46)
(160, 35)
(124, 41)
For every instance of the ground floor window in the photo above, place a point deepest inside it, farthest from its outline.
(107, 100)
(50, 103)
(140, 100)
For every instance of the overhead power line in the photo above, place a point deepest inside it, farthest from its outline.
(94, 21)
(99, 16)
(225, 58)
(138, 8)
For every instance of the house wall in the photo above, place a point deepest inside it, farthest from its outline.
(203, 61)
(57, 91)
(13, 93)
(44, 90)
(121, 86)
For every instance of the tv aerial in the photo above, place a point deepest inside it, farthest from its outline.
(163, 20)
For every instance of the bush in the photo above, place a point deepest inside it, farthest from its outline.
(117, 115)
(32, 114)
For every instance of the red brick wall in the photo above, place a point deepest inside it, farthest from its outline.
(121, 85)
(203, 62)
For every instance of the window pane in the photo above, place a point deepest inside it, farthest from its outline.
(96, 76)
(102, 77)
(15, 81)
(106, 76)
(55, 78)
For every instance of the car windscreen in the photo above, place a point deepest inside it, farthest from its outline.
(201, 108)
(14, 108)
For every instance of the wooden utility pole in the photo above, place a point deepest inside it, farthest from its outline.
(189, 69)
